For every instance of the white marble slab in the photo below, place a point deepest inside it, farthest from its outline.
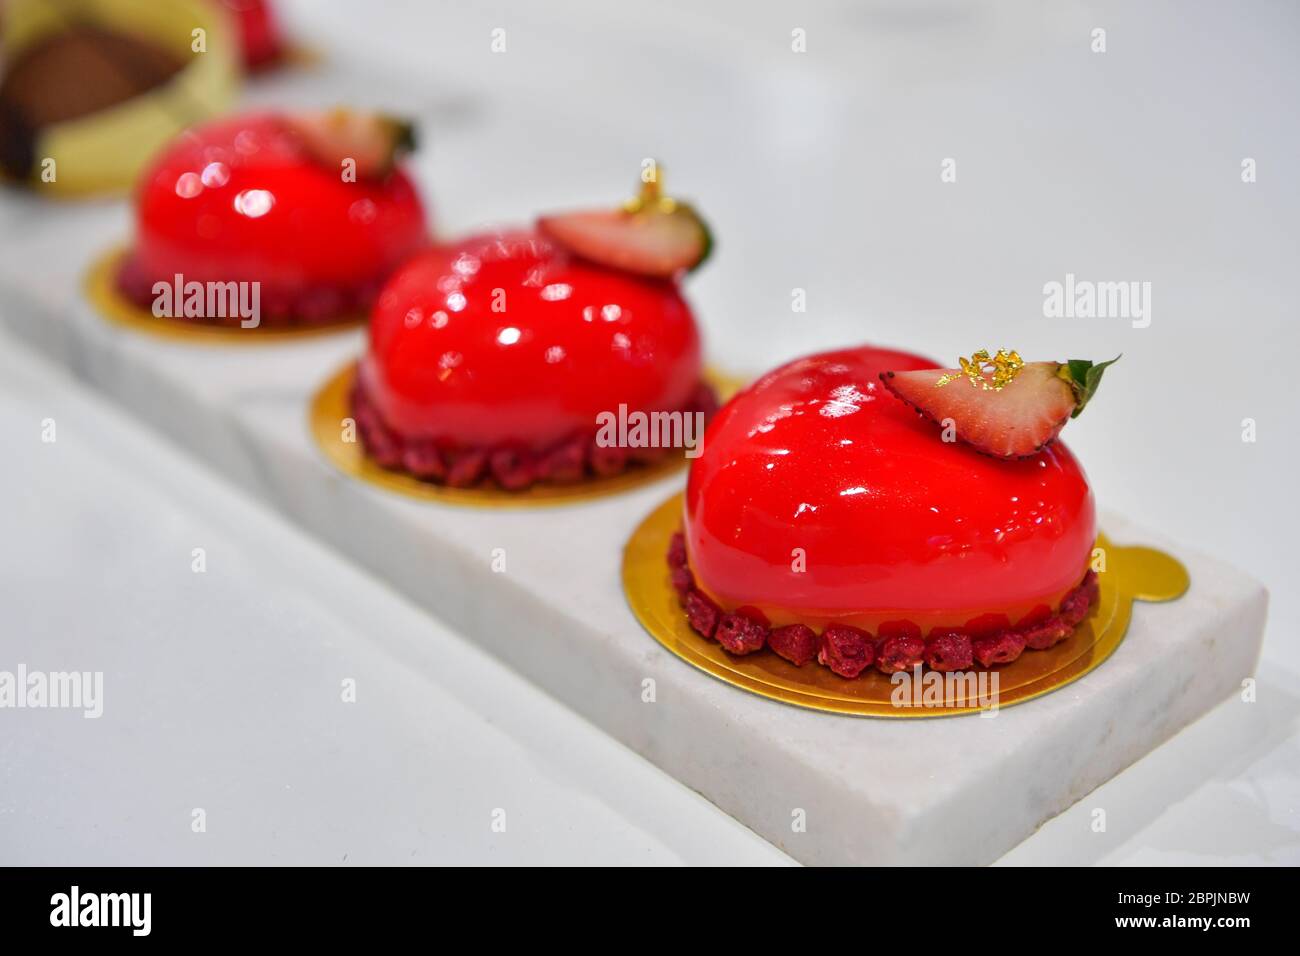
(956, 791)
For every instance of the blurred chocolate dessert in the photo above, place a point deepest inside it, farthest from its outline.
(69, 74)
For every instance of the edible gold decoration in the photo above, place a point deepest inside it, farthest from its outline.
(651, 197)
(1130, 573)
(1003, 367)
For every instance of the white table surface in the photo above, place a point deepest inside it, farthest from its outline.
(223, 689)
(820, 171)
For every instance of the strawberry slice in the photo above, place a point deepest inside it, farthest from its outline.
(652, 235)
(374, 141)
(1001, 406)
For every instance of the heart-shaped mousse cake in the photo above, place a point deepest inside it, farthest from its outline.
(826, 518)
(493, 358)
(308, 207)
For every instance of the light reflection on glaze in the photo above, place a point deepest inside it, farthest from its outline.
(215, 175)
(889, 516)
(254, 203)
(189, 185)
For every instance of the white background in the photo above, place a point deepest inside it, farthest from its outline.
(818, 171)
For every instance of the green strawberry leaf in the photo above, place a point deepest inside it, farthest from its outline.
(708, 238)
(405, 138)
(1085, 376)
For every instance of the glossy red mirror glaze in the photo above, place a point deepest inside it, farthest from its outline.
(895, 524)
(239, 199)
(505, 339)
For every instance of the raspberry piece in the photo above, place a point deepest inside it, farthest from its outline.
(608, 460)
(1091, 584)
(385, 454)
(797, 643)
(421, 458)
(846, 650)
(683, 581)
(1002, 648)
(901, 653)
(1042, 636)
(317, 305)
(512, 468)
(1079, 602)
(134, 284)
(948, 651)
(740, 635)
(365, 417)
(564, 464)
(703, 399)
(648, 454)
(467, 468)
(277, 308)
(677, 549)
(381, 444)
(702, 613)
(357, 396)
(364, 296)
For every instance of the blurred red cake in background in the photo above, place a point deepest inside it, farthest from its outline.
(260, 42)
(314, 208)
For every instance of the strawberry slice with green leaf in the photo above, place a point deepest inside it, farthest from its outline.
(1001, 406)
(374, 141)
(652, 235)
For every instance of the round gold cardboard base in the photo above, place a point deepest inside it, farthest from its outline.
(1130, 574)
(330, 411)
(101, 290)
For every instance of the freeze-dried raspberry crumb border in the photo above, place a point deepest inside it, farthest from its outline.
(848, 651)
(310, 308)
(513, 468)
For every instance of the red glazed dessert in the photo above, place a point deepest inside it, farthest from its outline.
(836, 520)
(310, 208)
(260, 43)
(497, 357)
